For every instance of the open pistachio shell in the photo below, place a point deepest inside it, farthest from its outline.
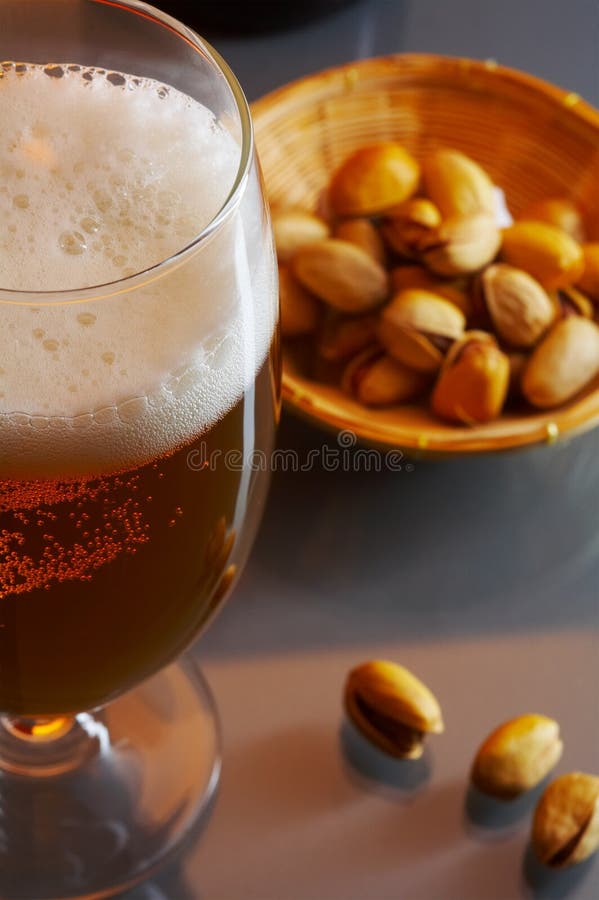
(418, 326)
(565, 827)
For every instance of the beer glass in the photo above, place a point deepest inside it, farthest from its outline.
(138, 401)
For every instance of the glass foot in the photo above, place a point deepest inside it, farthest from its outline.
(95, 804)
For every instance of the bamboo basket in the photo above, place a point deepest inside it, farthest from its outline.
(534, 139)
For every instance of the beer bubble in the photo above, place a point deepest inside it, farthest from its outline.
(21, 201)
(108, 358)
(73, 243)
(90, 225)
(50, 345)
(103, 200)
(86, 318)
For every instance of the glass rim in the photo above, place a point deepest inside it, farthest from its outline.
(128, 283)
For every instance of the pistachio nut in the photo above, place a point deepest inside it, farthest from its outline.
(375, 379)
(569, 301)
(341, 274)
(565, 828)
(300, 311)
(519, 308)
(589, 280)
(455, 289)
(391, 707)
(417, 328)
(363, 234)
(547, 253)
(558, 211)
(342, 337)
(459, 246)
(517, 756)
(565, 361)
(473, 382)
(408, 224)
(457, 184)
(373, 179)
(295, 228)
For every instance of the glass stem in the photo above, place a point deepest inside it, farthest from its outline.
(42, 746)
(40, 729)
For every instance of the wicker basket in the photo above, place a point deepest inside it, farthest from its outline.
(535, 140)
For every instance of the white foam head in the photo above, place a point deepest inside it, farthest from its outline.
(104, 176)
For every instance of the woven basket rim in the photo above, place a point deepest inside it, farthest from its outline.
(428, 63)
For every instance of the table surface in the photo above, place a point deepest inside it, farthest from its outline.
(481, 575)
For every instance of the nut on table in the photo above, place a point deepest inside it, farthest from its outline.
(392, 708)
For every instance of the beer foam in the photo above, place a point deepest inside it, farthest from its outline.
(103, 175)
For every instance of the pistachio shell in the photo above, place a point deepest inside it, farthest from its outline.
(295, 228)
(563, 363)
(565, 828)
(343, 337)
(455, 290)
(457, 184)
(547, 253)
(300, 311)
(363, 234)
(473, 382)
(375, 379)
(518, 306)
(571, 302)
(460, 246)
(558, 211)
(373, 179)
(589, 280)
(409, 223)
(417, 327)
(391, 707)
(517, 756)
(342, 275)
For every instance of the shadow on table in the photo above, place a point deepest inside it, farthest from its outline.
(505, 542)
(487, 819)
(371, 769)
(552, 884)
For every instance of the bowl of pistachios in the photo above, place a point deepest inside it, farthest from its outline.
(436, 222)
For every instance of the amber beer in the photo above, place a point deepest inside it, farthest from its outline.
(104, 579)
(115, 547)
